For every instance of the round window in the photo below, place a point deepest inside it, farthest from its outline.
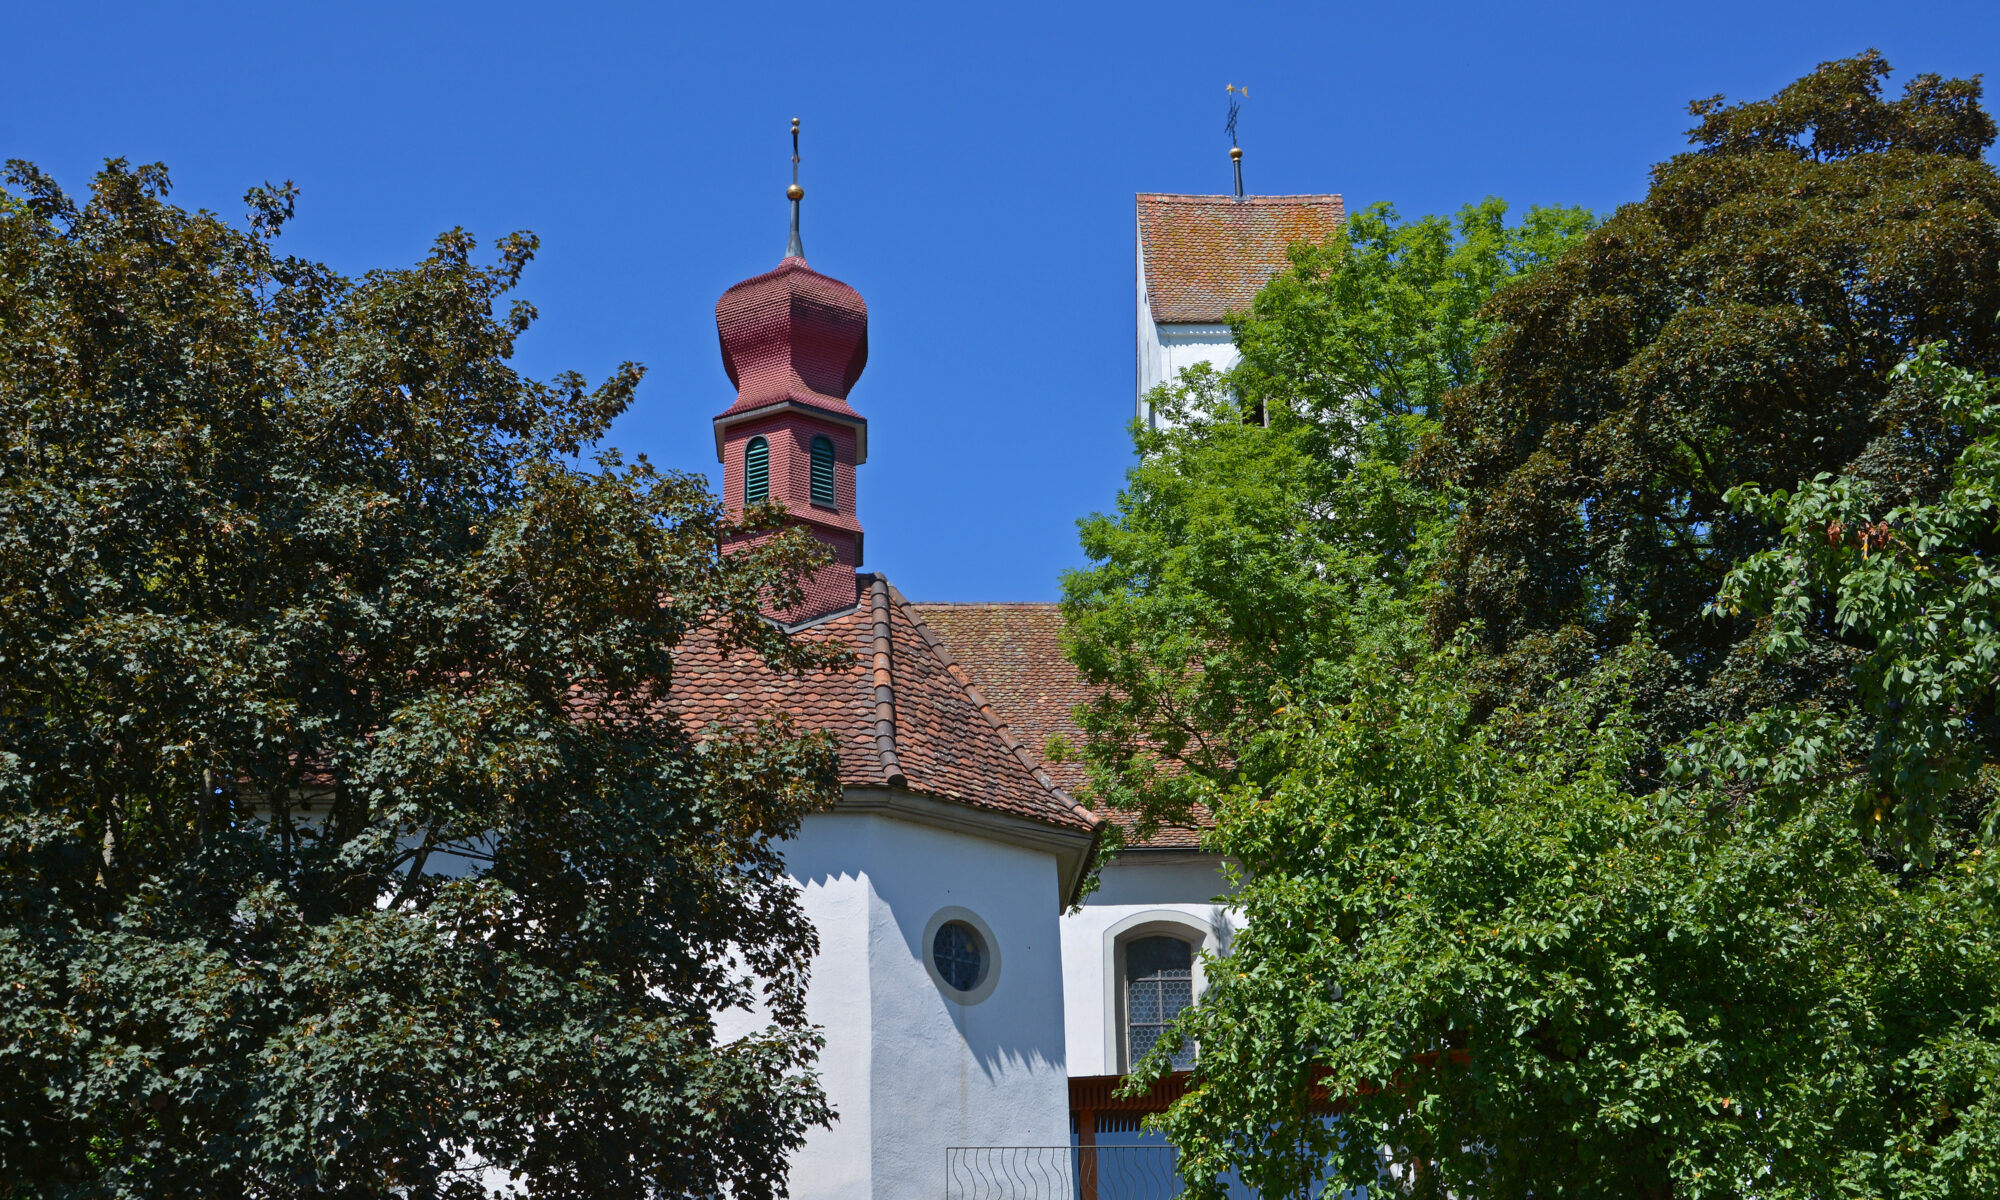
(959, 954)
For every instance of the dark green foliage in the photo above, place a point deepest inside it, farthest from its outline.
(1739, 325)
(1244, 558)
(305, 612)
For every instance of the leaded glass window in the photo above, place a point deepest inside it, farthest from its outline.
(757, 471)
(822, 472)
(1159, 983)
(959, 955)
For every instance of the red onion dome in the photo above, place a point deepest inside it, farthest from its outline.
(792, 334)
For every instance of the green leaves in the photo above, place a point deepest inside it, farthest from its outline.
(1517, 977)
(1669, 874)
(1917, 585)
(1388, 321)
(1738, 327)
(349, 844)
(1248, 562)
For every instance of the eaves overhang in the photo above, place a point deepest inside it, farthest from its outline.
(1073, 848)
(791, 404)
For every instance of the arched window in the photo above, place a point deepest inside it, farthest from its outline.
(1159, 984)
(822, 472)
(756, 471)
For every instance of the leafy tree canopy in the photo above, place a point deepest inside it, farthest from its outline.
(1523, 978)
(1480, 917)
(1919, 585)
(347, 847)
(1244, 557)
(1388, 320)
(1740, 325)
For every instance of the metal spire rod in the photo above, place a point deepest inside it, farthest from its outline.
(795, 248)
(1229, 127)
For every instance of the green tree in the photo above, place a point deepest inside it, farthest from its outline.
(1915, 583)
(1246, 557)
(1519, 977)
(348, 845)
(1739, 325)
(1389, 319)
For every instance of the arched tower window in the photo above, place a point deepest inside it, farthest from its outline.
(757, 471)
(1159, 984)
(822, 472)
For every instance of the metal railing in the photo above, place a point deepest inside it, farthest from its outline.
(1061, 1173)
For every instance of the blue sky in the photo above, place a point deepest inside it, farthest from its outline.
(969, 168)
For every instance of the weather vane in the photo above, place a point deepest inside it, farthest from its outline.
(795, 248)
(1229, 127)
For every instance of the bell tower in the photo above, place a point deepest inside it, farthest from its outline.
(794, 342)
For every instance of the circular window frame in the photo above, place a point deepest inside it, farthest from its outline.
(989, 946)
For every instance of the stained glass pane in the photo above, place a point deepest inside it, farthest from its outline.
(958, 955)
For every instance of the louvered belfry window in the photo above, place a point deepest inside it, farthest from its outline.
(757, 471)
(822, 472)
(1159, 983)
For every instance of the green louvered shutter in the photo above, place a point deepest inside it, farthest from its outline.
(756, 471)
(822, 472)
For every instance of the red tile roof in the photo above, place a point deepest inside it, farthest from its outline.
(1206, 256)
(906, 715)
(1013, 653)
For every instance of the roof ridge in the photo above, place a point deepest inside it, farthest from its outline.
(986, 709)
(985, 603)
(885, 685)
(1219, 197)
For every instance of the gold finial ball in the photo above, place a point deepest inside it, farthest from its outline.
(795, 192)
(1236, 154)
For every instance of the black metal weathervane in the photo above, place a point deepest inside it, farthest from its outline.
(1229, 127)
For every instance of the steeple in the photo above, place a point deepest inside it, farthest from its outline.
(794, 342)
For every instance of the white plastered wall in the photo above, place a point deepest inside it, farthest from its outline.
(1166, 350)
(1139, 893)
(910, 1071)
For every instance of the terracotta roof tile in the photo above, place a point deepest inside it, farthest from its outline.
(1013, 654)
(904, 714)
(1206, 256)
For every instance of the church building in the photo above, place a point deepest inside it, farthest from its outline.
(969, 1002)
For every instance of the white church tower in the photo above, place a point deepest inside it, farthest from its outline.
(1202, 258)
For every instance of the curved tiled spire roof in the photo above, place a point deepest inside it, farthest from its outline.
(792, 334)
